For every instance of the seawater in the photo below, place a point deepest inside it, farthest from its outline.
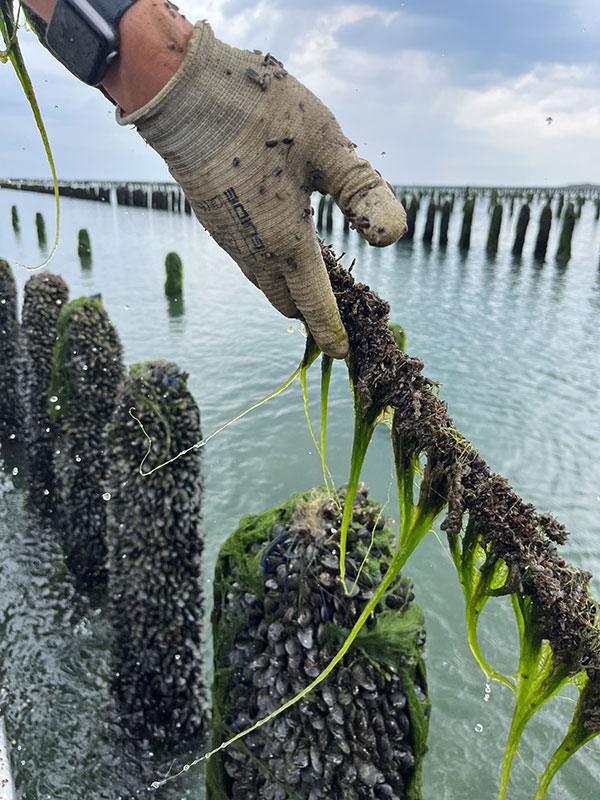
(515, 346)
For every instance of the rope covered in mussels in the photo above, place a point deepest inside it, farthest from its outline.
(43, 299)
(155, 546)
(86, 372)
(280, 615)
(11, 409)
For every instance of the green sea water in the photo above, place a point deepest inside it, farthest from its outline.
(516, 348)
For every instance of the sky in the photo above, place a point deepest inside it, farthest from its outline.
(468, 92)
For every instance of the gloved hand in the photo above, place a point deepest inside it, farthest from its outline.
(248, 144)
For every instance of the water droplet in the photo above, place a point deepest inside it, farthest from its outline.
(124, 554)
(47, 430)
(3, 301)
(78, 459)
(478, 728)
(155, 785)
(549, 120)
(186, 767)
(290, 329)
(487, 692)
(59, 302)
(12, 436)
(177, 657)
(106, 496)
(126, 308)
(46, 492)
(53, 399)
(15, 471)
(57, 407)
(383, 154)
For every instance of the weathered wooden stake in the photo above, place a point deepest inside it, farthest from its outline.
(411, 219)
(429, 222)
(522, 223)
(541, 244)
(445, 221)
(465, 233)
(41, 228)
(563, 254)
(494, 232)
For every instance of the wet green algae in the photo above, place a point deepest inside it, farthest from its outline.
(500, 544)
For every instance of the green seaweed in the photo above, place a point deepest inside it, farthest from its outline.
(12, 53)
(540, 676)
(584, 726)
(62, 382)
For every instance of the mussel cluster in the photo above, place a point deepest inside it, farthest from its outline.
(43, 299)
(280, 615)
(155, 546)
(10, 406)
(87, 371)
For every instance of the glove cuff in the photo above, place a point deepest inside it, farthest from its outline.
(202, 107)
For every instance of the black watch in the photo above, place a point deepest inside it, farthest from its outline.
(84, 35)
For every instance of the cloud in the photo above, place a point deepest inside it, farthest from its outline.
(567, 94)
(435, 120)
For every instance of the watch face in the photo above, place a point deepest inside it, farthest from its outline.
(81, 40)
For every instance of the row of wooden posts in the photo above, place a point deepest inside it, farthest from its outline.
(161, 197)
(439, 204)
(432, 203)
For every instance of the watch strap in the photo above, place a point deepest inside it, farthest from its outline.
(111, 10)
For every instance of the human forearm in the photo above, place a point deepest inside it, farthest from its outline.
(153, 38)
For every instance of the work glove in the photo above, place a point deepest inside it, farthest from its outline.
(248, 144)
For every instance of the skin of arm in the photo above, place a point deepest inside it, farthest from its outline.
(154, 37)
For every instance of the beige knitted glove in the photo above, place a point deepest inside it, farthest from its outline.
(248, 144)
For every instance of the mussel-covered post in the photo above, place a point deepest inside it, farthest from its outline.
(11, 409)
(541, 244)
(174, 280)
(280, 615)
(41, 228)
(155, 547)
(14, 217)
(494, 231)
(465, 233)
(563, 254)
(522, 225)
(87, 370)
(43, 298)
(84, 245)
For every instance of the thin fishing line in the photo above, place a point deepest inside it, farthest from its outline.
(206, 439)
